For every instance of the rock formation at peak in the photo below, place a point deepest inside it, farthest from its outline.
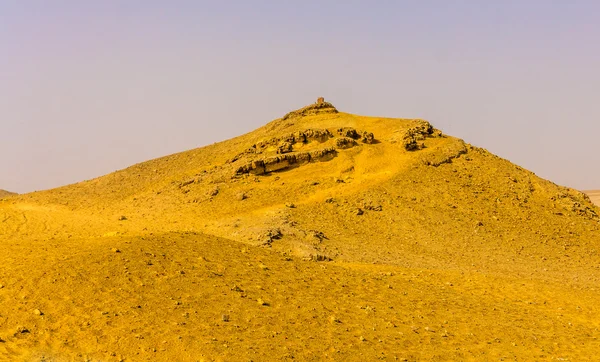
(317, 108)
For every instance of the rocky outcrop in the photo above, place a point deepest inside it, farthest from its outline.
(320, 107)
(286, 143)
(285, 161)
(412, 137)
(260, 159)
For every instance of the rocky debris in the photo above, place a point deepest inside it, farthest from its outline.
(290, 205)
(368, 138)
(241, 196)
(372, 207)
(358, 211)
(285, 147)
(344, 142)
(235, 288)
(320, 257)
(318, 235)
(270, 235)
(225, 317)
(38, 312)
(21, 330)
(213, 192)
(419, 132)
(348, 132)
(187, 182)
(320, 107)
(122, 218)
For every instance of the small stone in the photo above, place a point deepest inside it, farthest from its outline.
(290, 205)
(37, 312)
(242, 196)
(261, 302)
(122, 218)
(115, 250)
(1, 286)
(225, 317)
(359, 211)
(362, 339)
(21, 329)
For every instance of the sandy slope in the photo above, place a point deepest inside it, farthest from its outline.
(594, 196)
(4, 193)
(441, 252)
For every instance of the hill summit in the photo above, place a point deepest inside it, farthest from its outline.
(369, 232)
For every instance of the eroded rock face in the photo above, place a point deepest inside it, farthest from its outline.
(286, 143)
(285, 161)
(263, 161)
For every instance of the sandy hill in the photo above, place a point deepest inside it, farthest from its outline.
(322, 235)
(594, 196)
(4, 193)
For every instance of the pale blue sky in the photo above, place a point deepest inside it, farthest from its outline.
(87, 88)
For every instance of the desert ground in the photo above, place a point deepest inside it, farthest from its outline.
(321, 236)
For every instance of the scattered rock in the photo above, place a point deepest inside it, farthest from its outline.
(368, 138)
(21, 330)
(359, 211)
(122, 218)
(270, 235)
(372, 207)
(37, 312)
(241, 196)
(290, 205)
(214, 192)
(348, 132)
(235, 288)
(320, 257)
(262, 302)
(344, 142)
(225, 317)
(115, 250)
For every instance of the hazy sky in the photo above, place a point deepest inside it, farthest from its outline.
(89, 87)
